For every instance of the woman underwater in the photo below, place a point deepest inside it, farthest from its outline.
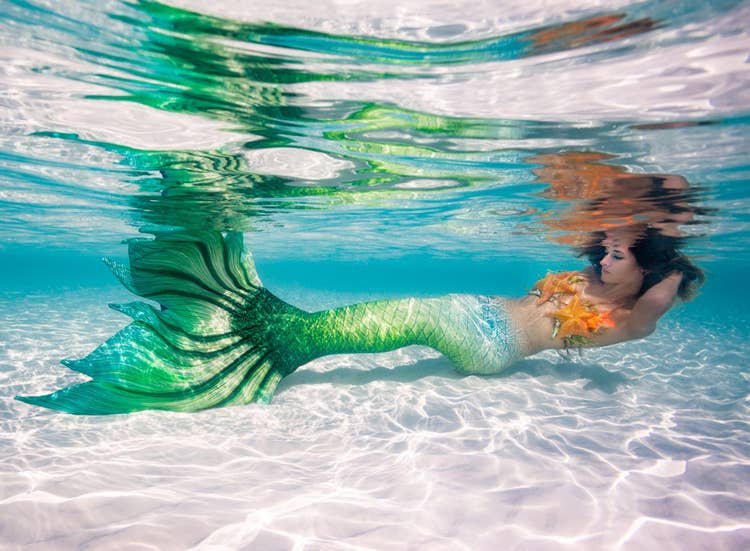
(220, 338)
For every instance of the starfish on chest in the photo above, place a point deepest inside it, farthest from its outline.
(577, 320)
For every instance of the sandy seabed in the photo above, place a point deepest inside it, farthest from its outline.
(636, 446)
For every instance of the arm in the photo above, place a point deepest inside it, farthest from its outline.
(649, 308)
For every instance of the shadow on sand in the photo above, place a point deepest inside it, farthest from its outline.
(564, 370)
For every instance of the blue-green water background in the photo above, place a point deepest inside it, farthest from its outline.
(404, 197)
(375, 149)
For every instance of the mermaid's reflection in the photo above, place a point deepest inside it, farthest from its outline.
(597, 196)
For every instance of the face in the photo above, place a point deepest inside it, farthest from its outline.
(619, 264)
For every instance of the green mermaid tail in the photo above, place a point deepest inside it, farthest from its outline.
(207, 347)
(222, 339)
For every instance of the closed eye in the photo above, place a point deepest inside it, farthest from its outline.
(617, 255)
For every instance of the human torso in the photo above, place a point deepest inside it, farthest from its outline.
(567, 309)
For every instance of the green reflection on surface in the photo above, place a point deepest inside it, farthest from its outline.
(245, 76)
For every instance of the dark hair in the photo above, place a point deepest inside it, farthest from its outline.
(655, 252)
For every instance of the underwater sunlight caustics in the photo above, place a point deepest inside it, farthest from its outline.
(469, 274)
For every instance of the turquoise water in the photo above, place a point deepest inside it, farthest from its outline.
(379, 149)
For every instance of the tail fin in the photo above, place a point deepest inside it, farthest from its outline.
(213, 342)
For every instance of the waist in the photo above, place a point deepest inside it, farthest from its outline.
(501, 329)
(535, 324)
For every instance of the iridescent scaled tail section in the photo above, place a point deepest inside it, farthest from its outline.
(208, 344)
(216, 337)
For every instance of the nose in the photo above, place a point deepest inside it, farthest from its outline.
(604, 262)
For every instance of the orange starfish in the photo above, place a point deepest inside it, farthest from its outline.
(554, 284)
(599, 321)
(574, 319)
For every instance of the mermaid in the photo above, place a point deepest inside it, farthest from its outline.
(214, 336)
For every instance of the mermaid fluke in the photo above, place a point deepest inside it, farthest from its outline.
(217, 338)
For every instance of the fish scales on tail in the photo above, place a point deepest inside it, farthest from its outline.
(219, 338)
